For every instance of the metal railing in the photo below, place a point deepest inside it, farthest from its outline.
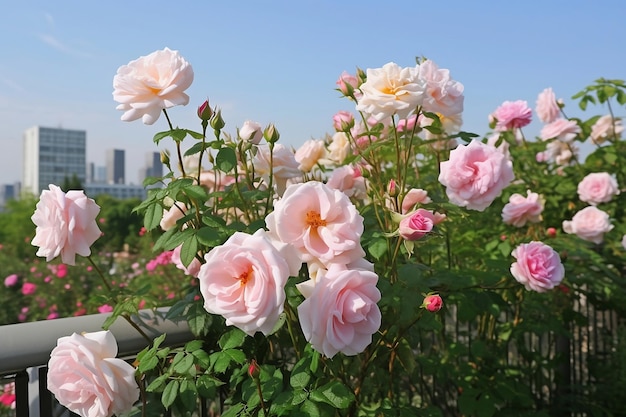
(25, 350)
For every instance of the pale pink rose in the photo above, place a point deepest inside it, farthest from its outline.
(407, 125)
(215, 180)
(560, 152)
(243, 280)
(520, 209)
(512, 115)
(251, 131)
(192, 269)
(348, 84)
(10, 280)
(146, 86)
(172, 215)
(391, 90)
(348, 180)
(338, 149)
(28, 288)
(562, 129)
(475, 175)
(432, 303)
(320, 222)
(547, 107)
(451, 124)
(538, 266)
(443, 95)
(309, 154)
(417, 224)
(343, 121)
(414, 197)
(605, 128)
(340, 314)
(590, 224)
(597, 187)
(86, 377)
(66, 224)
(284, 165)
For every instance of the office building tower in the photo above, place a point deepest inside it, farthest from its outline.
(115, 166)
(153, 167)
(52, 156)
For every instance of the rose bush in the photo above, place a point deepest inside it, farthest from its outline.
(322, 274)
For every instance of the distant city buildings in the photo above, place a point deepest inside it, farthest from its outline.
(115, 165)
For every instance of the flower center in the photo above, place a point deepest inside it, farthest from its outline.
(245, 276)
(314, 220)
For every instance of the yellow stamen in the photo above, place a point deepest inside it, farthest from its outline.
(314, 220)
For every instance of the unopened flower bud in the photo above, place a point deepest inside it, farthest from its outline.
(254, 370)
(361, 76)
(551, 232)
(251, 132)
(271, 133)
(165, 158)
(217, 122)
(392, 189)
(204, 111)
(432, 303)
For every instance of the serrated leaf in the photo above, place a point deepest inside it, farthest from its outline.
(148, 363)
(377, 247)
(170, 393)
(196, 192)
(234, 410)
(188, 395)
(189, 250)
(160, 136)
(158, 384)
(226, 159)
(232, 339)
(334, 393)
(184, 365)
(301, 373)
(152, 217)
(309, 408)
(193, 345)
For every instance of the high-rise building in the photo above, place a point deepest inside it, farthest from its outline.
(153, 167)
(115, 166)
(52, 156)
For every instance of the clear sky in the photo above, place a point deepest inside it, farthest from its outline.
(277, 61)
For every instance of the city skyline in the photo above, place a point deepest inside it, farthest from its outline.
(278, 62)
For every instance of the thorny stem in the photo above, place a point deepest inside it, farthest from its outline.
(178, 150)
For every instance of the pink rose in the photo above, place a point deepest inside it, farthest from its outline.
(347, 84)
(86, 377)
(512, 115)
(407, 125)
(547, 107)
(28, 288)
(243, 280)
(105, 308)
(520, 209)
(413, 197)
(597, 187)
(340, 314)
(443, 95)
(309, 154)
(320, 222)
(66, 224)
(192, 269)
(172, 215)
(343, 121)
(432, 303)
(284, 165)
(605, 128)
(589, 224)
(417, 224)
(561, 129)
(475, 175)
(251, 131)
(146, 86)
(348, 180)
(10, 280)
(538, 266)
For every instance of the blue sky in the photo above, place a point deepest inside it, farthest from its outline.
(277, 61)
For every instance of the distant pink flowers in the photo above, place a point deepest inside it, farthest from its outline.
(149, 84)
(547, 107)
(475, 175)
(11, 280)
(86, 377)
(512, 115)
(66, 224)
(538, 267)
(28, 288)
(597, 187)
(520, 210)
(589, 224)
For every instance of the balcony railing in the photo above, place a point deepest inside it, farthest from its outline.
(25, 350)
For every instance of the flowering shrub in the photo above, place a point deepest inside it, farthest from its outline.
(323, 275)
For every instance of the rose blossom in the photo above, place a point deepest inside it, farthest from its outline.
(10, 280)
(338, 149)
(561, 152)
(340, 314)
(192, 269)
(150, 84)
(520, 209)
(319, 221)
(251, 131)
(391, 90)
(597, 187)
(605, 127)
(309, 154)
(86, 377)
(561, 129)
(432, 303)
(28, 288)
(284, 165)
(475, 175)
(512, 115)
(443, 95)
(171, 216)
(546, 107)
(348, 84)
(343, 121)
(243, 280)
(417, 224)
(413, 197)
(538, 266)
(589, 224)
(349, 180)
(66, 224)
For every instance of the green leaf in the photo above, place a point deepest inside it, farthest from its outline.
(158, 383)
(170, 393)
(197, 319)
(160, 136)
(196, 192)
(232, 339)
(226, 159)
(209, 237)
(234, 410)
(377, 247)
(309, 408)
(188, 395)
(301, 373)
(334, 393)
(152, 217)
(189, 250)
(183, 365)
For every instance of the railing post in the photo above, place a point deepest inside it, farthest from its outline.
(21, 394)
